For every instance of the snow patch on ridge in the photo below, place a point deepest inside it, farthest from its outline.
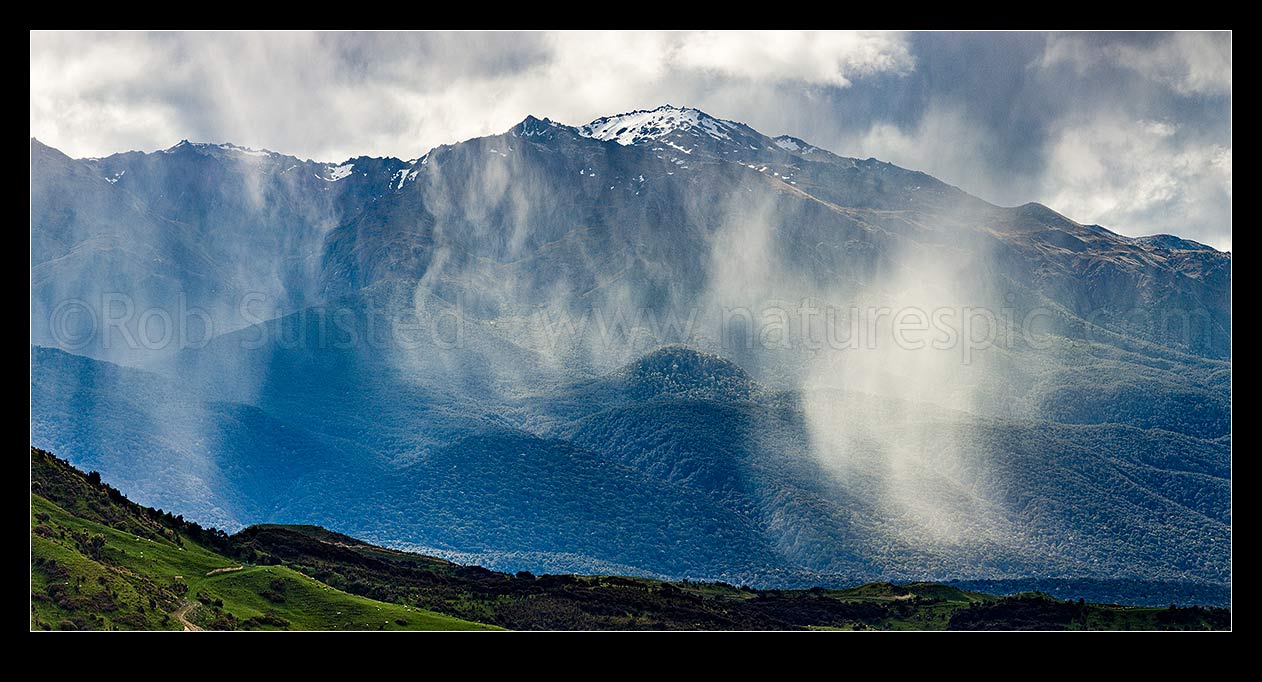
(793, 144)
(335, 173)
(640, 126)
(211, 149)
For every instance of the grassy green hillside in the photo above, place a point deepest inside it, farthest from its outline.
(99, 561)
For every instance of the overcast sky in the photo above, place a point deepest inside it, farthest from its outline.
(1131, 131)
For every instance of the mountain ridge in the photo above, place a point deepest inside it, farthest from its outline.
(591, 129)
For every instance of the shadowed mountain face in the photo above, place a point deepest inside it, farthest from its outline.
(230, 234)
(661, 342)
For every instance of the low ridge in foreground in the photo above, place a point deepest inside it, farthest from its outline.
(102, 562)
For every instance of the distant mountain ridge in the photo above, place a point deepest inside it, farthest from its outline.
(676, 450)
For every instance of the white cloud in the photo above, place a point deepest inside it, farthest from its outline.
(1140, 177)
(330, 96)
(1135, 177)
(828, 58)
(1189, 62)
(1116, 158)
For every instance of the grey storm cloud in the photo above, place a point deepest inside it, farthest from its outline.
(1131, 131)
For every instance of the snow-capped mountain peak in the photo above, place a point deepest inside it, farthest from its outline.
(211, 149)
(648, 125)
